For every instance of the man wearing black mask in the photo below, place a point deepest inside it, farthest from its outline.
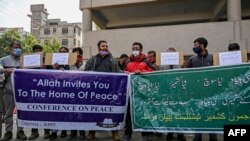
(202, 59)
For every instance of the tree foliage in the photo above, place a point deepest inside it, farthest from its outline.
(5, 40)
(27, 42)
(51, 47)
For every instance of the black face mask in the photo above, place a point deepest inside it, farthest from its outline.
(197, 50)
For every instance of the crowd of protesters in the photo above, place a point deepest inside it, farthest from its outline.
(137, 62)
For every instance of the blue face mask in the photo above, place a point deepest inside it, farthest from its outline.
(17, 51)
(197, 50)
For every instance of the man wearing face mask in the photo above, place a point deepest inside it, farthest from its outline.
(10, 63)
(202, 59)
(138, 62)
(102, 62)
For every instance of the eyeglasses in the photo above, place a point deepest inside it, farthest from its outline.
(62, 51)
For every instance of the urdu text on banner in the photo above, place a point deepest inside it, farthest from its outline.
(191, 100)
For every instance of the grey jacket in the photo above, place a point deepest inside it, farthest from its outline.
(91, 64)
(9, 62)
(200, 61)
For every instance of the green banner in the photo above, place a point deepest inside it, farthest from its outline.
(191, 100)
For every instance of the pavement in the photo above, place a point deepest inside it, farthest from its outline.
(106, 136)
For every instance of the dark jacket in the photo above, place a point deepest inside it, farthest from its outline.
(200, 61)
(92, 63)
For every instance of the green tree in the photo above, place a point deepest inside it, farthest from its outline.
(51, 47)
(5, 40)
(28, 42)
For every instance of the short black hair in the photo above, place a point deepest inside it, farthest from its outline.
(78, 49)
(233, 46)
(101, 41)
(171, 48)
(137, 43)
(123, 56)
(201, 40)
(15, 43)
(64, 48)
(36, 47)
(152, 52)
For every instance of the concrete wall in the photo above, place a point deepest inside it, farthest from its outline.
(246, 33)
(181, 37)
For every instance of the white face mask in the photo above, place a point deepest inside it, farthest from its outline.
(136, 52)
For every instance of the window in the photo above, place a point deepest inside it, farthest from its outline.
(53, 23)
(46, 42)
(65, 30)
(46, 31)
(79, 32)
(35, 32)
(75, 29)
(54, 30)
(74, 41)
(65, 42)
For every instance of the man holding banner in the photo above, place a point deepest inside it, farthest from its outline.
(138, 63)
(10, 63)
(102, 62)
(34, 131)
(78, 66)
(170, 135)
(202, 59)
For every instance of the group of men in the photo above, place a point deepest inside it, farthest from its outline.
(103, 61)
(7, 104)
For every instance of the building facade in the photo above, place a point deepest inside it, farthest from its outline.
(19, 30)
(160, 24)
(51, 30)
